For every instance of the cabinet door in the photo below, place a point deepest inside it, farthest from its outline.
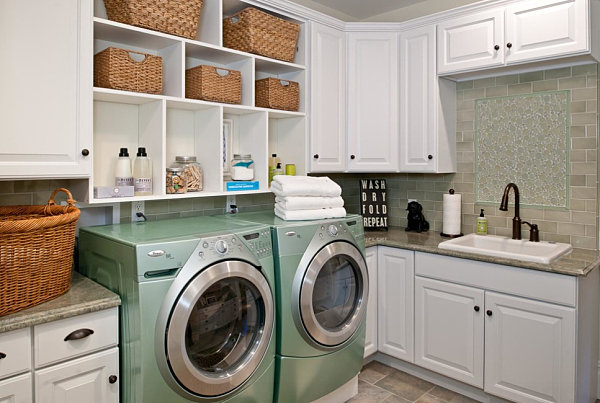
(46, 81)
(16, 390)
(86, 379)
(417, 100)
(540, 29)
(371, 335)
(328, 99)
(529, 349)
(373, 102)
(469, 42)
(449, 329)
(395, 289)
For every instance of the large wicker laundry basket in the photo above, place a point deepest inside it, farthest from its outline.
(36, 253)
(178, 17)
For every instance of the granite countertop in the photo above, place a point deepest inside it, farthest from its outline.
(578, 263)
(84, 296)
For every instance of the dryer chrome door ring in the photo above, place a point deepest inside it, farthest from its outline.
(201, 382)
(312, 325)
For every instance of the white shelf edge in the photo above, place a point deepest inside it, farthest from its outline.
(111, 200)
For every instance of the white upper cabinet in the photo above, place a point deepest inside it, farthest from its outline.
(46, 82)
(521, 32)
(373, 102)
(427, 107)
(328, 100)
(471, 42)
(541, 29)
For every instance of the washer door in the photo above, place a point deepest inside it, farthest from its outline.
(334, 294)
(219, 328)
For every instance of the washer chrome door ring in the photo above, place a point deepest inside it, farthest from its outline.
(307, 311)
(185, 371)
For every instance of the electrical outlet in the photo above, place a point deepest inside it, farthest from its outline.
(137, 207)
(230, 202)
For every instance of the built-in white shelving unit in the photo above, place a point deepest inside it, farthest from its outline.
(170, 124)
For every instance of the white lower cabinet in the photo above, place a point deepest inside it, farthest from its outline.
(449, 329)
(371, 319)
(16, 389)
(395, 276)
(89, 379)
(530, 349)
(74, 360)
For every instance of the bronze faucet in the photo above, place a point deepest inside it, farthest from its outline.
(516, 225)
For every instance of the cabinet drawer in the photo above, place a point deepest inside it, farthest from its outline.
(15, 347)
(50, 339)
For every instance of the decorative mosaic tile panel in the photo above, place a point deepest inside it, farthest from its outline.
(523, 139)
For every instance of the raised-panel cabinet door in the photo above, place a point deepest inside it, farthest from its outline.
(529, 349)
(372, 102)
(395, 297)
(471, 42)
(91, 379)
(16, 389)
(371, 335)
(46, 82)
(541, 29)
(418, 100)
(449, 329)
(328, 99)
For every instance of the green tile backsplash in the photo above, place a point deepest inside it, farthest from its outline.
(577, 224)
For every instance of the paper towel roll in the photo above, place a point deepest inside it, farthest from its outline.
(452, 216)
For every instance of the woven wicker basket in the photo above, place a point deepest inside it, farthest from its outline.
(36, 253)
(255, 31)
(178, 17)
(277, 94)
(213, 84)
(115, 68)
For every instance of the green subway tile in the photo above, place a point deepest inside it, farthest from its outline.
(577, 180)
(577, 131)
(557, 73)
(546, 85)
(579, 106)
(584, 94)
(508, 79)
(484, 82)
(583, 242)
(177, 206)
(464, 85)
(474, 93)
(13, 199)
(586, 69)
(572, 82)
(531, 76)
(155, 207)
(518, 89)
(499, 91)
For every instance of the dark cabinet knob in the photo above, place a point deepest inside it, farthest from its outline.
(430, 157)
(352, 156)
(496, 47)
(2, 355)
(476, 308)
(79, 334)
(85, 152)
(112, 379)
(316, 156)
(509, 45)
(488, 312)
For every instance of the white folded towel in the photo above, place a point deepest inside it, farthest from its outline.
(308, 202)
(287, 185)
(317, 214)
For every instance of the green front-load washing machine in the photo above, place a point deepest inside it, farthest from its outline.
(197, 316)
(321, 295)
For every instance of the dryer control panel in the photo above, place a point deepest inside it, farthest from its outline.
(257, 243)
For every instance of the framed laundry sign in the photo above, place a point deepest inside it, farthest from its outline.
(373, 204)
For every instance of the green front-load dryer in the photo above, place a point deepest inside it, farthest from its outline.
(197, 316)
(321, 295)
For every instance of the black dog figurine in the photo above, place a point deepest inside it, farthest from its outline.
(416, 219)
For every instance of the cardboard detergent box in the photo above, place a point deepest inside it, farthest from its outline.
(105, 192)
(241, 185)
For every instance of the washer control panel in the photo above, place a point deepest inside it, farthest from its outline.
(236, 246)
(332, 230)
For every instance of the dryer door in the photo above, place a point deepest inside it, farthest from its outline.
(219, 328)
(333, 295)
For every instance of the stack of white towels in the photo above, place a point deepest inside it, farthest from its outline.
(307, 198)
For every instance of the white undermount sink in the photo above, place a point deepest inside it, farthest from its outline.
(499, 246)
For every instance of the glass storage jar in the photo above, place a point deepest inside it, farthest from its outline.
(176, 181)
(193, 171)
(242, 167)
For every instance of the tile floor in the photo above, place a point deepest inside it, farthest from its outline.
(379, 383)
